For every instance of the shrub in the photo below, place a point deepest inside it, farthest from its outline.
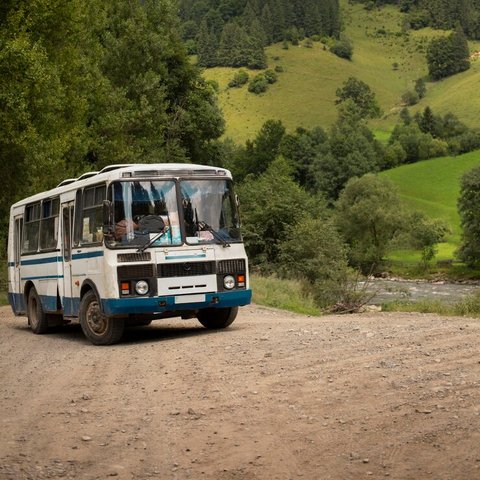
(410, 98)
(271, 76)
(315, 254)
(239, 79)
(279, 69)
(308, 43)
(342, 48)
(258, 84)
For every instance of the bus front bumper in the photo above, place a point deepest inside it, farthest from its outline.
(145, 305)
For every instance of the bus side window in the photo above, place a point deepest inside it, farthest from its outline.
(49, 224)
(91, 219)
(31, 228)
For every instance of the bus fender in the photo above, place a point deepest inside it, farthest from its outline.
(90, 285)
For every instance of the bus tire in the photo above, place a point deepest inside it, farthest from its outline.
(37, 318)
(97, 327)
(217, 318)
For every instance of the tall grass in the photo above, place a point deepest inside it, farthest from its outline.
(283, 294)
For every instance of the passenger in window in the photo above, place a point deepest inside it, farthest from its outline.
(123, 228)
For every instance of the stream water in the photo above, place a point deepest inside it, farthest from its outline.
(388, 290)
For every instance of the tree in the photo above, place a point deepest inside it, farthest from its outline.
(469, 251)
(420, 88)
(448, 55)
(206, 46)
(370, 217)
(271, 203)
(314, 253)
(300, 149)
(424, 235)
(165, 110)
(361, 95)
(351, 151)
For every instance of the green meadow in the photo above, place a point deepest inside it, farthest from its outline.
(387, 59)
(433, 187)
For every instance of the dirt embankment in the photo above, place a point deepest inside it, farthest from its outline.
(276, 396)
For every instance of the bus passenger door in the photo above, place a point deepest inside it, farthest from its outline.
(17, 298)
(67, 230)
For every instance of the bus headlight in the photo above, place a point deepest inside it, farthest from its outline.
(141, 287)
(229, 282)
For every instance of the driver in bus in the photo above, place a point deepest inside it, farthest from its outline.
(123, 227)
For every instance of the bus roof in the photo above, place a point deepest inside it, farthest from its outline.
(133, 171)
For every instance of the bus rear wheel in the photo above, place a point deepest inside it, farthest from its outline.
(100, 329)
(217, 318)
(37, 318)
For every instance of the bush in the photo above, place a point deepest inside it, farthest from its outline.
(410, 98)
(342, 48)
(239, 79)
(258, 84)
(271, 76)
(315, 254)
(279, 69)
(308, 43)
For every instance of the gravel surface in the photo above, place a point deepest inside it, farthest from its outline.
(275, 396)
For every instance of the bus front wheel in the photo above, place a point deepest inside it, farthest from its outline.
(37, 318)
(217, 318)
(97, 327)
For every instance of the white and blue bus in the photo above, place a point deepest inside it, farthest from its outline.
(128, 245)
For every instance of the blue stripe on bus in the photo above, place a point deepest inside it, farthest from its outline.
(79, 256)
(40, 261)
(43, 277)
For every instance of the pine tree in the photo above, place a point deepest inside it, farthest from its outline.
(234, 46)
(267, 23)
(206, 46)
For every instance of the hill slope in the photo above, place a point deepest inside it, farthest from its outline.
(433, 187)
(385, 58)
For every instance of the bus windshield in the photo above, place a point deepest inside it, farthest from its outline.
(209, 211)
(148, 211)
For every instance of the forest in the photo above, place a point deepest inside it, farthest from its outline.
(235, 32)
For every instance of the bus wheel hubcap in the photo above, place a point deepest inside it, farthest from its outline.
(95, 319)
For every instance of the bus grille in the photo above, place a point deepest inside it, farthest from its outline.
(231, 266)
(186, 269)
(128, 272)
(134, 257)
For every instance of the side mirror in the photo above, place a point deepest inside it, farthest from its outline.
(107, 217)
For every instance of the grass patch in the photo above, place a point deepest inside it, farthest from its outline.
(282, 294)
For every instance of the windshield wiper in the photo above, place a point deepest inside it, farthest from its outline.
(153, 240)
(203, 226)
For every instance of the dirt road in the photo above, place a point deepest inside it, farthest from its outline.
(276, 396)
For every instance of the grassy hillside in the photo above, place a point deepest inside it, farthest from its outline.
(388, 61)
(433, 186)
